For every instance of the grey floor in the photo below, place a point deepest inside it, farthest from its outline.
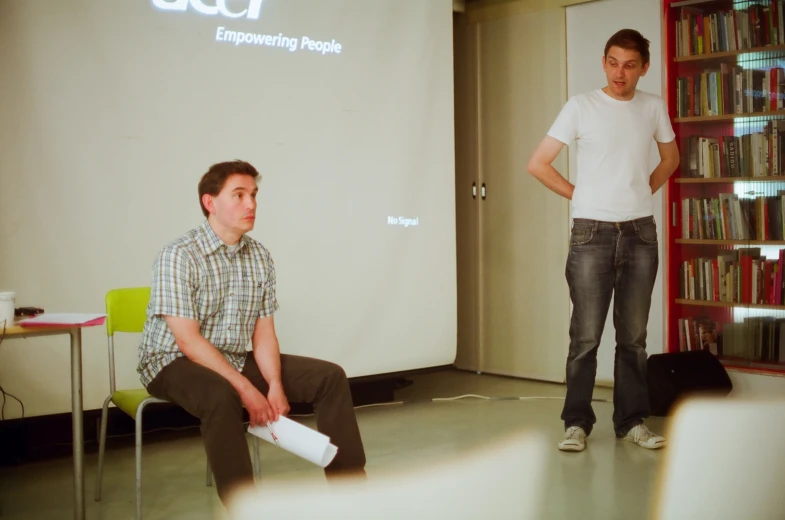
(611, 479)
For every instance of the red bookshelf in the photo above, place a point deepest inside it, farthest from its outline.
(725, 236)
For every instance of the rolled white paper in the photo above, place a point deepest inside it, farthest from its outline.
(298, 439)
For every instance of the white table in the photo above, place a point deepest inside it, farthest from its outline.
(75, 332)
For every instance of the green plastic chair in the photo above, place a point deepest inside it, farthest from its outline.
(126, 311)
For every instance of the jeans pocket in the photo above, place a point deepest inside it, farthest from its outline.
(581, 235)
(647, 232)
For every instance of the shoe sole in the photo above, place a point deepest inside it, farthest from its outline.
(572, 447)
(655, 447)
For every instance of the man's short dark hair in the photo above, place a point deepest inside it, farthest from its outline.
(630, 40)
(213, 181)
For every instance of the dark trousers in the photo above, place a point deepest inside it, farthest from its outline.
(205, 394)
(607, 259)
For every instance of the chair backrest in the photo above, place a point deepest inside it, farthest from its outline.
(723, 461)
(126, 309)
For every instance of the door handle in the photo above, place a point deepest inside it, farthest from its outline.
(482, 191)
(474, 190)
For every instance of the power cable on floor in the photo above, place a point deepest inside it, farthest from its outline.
(465, 396)
(6, 394)
(391, 403)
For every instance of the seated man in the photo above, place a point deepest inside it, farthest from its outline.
(213, 293)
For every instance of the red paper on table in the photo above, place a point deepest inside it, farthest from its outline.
(64, 320)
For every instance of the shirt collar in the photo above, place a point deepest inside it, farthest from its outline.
(211, 243)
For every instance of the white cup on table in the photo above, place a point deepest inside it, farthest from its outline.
(7, 307)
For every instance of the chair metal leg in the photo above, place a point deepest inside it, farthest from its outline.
(102, 447)
(209, 474)
(257, 469)
(139, 461)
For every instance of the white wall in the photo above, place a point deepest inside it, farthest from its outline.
(588, 28)
(746, 384)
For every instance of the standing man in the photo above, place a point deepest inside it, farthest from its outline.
(613, 244)
(213, 294)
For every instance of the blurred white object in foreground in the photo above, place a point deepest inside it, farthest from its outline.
(505, 480)
(724, 461)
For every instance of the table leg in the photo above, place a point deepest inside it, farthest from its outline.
(76, 413)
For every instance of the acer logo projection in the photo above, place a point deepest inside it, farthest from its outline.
(252, 12)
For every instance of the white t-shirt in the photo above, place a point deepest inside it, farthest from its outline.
(613, 140)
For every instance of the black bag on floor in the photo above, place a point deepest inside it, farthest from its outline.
(675, 375)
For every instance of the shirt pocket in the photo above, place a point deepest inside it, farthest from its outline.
(251, 297)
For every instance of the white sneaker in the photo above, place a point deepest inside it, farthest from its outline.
(642, 436)
(574, 439)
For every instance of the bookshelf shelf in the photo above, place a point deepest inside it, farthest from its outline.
(727, 107)
(726, 180)
(707, 242)
(708, 303)
(770, 367)
(730, 117)
(685, 3)
(759, 52)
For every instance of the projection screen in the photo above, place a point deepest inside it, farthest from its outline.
(112, 110)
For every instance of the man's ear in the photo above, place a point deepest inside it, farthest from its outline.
(645, 69)
(207, 200)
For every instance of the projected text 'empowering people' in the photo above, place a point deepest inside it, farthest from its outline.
(268, 40)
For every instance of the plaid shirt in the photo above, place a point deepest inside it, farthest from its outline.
(197, 277)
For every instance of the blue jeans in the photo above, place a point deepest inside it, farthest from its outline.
(619, 259)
